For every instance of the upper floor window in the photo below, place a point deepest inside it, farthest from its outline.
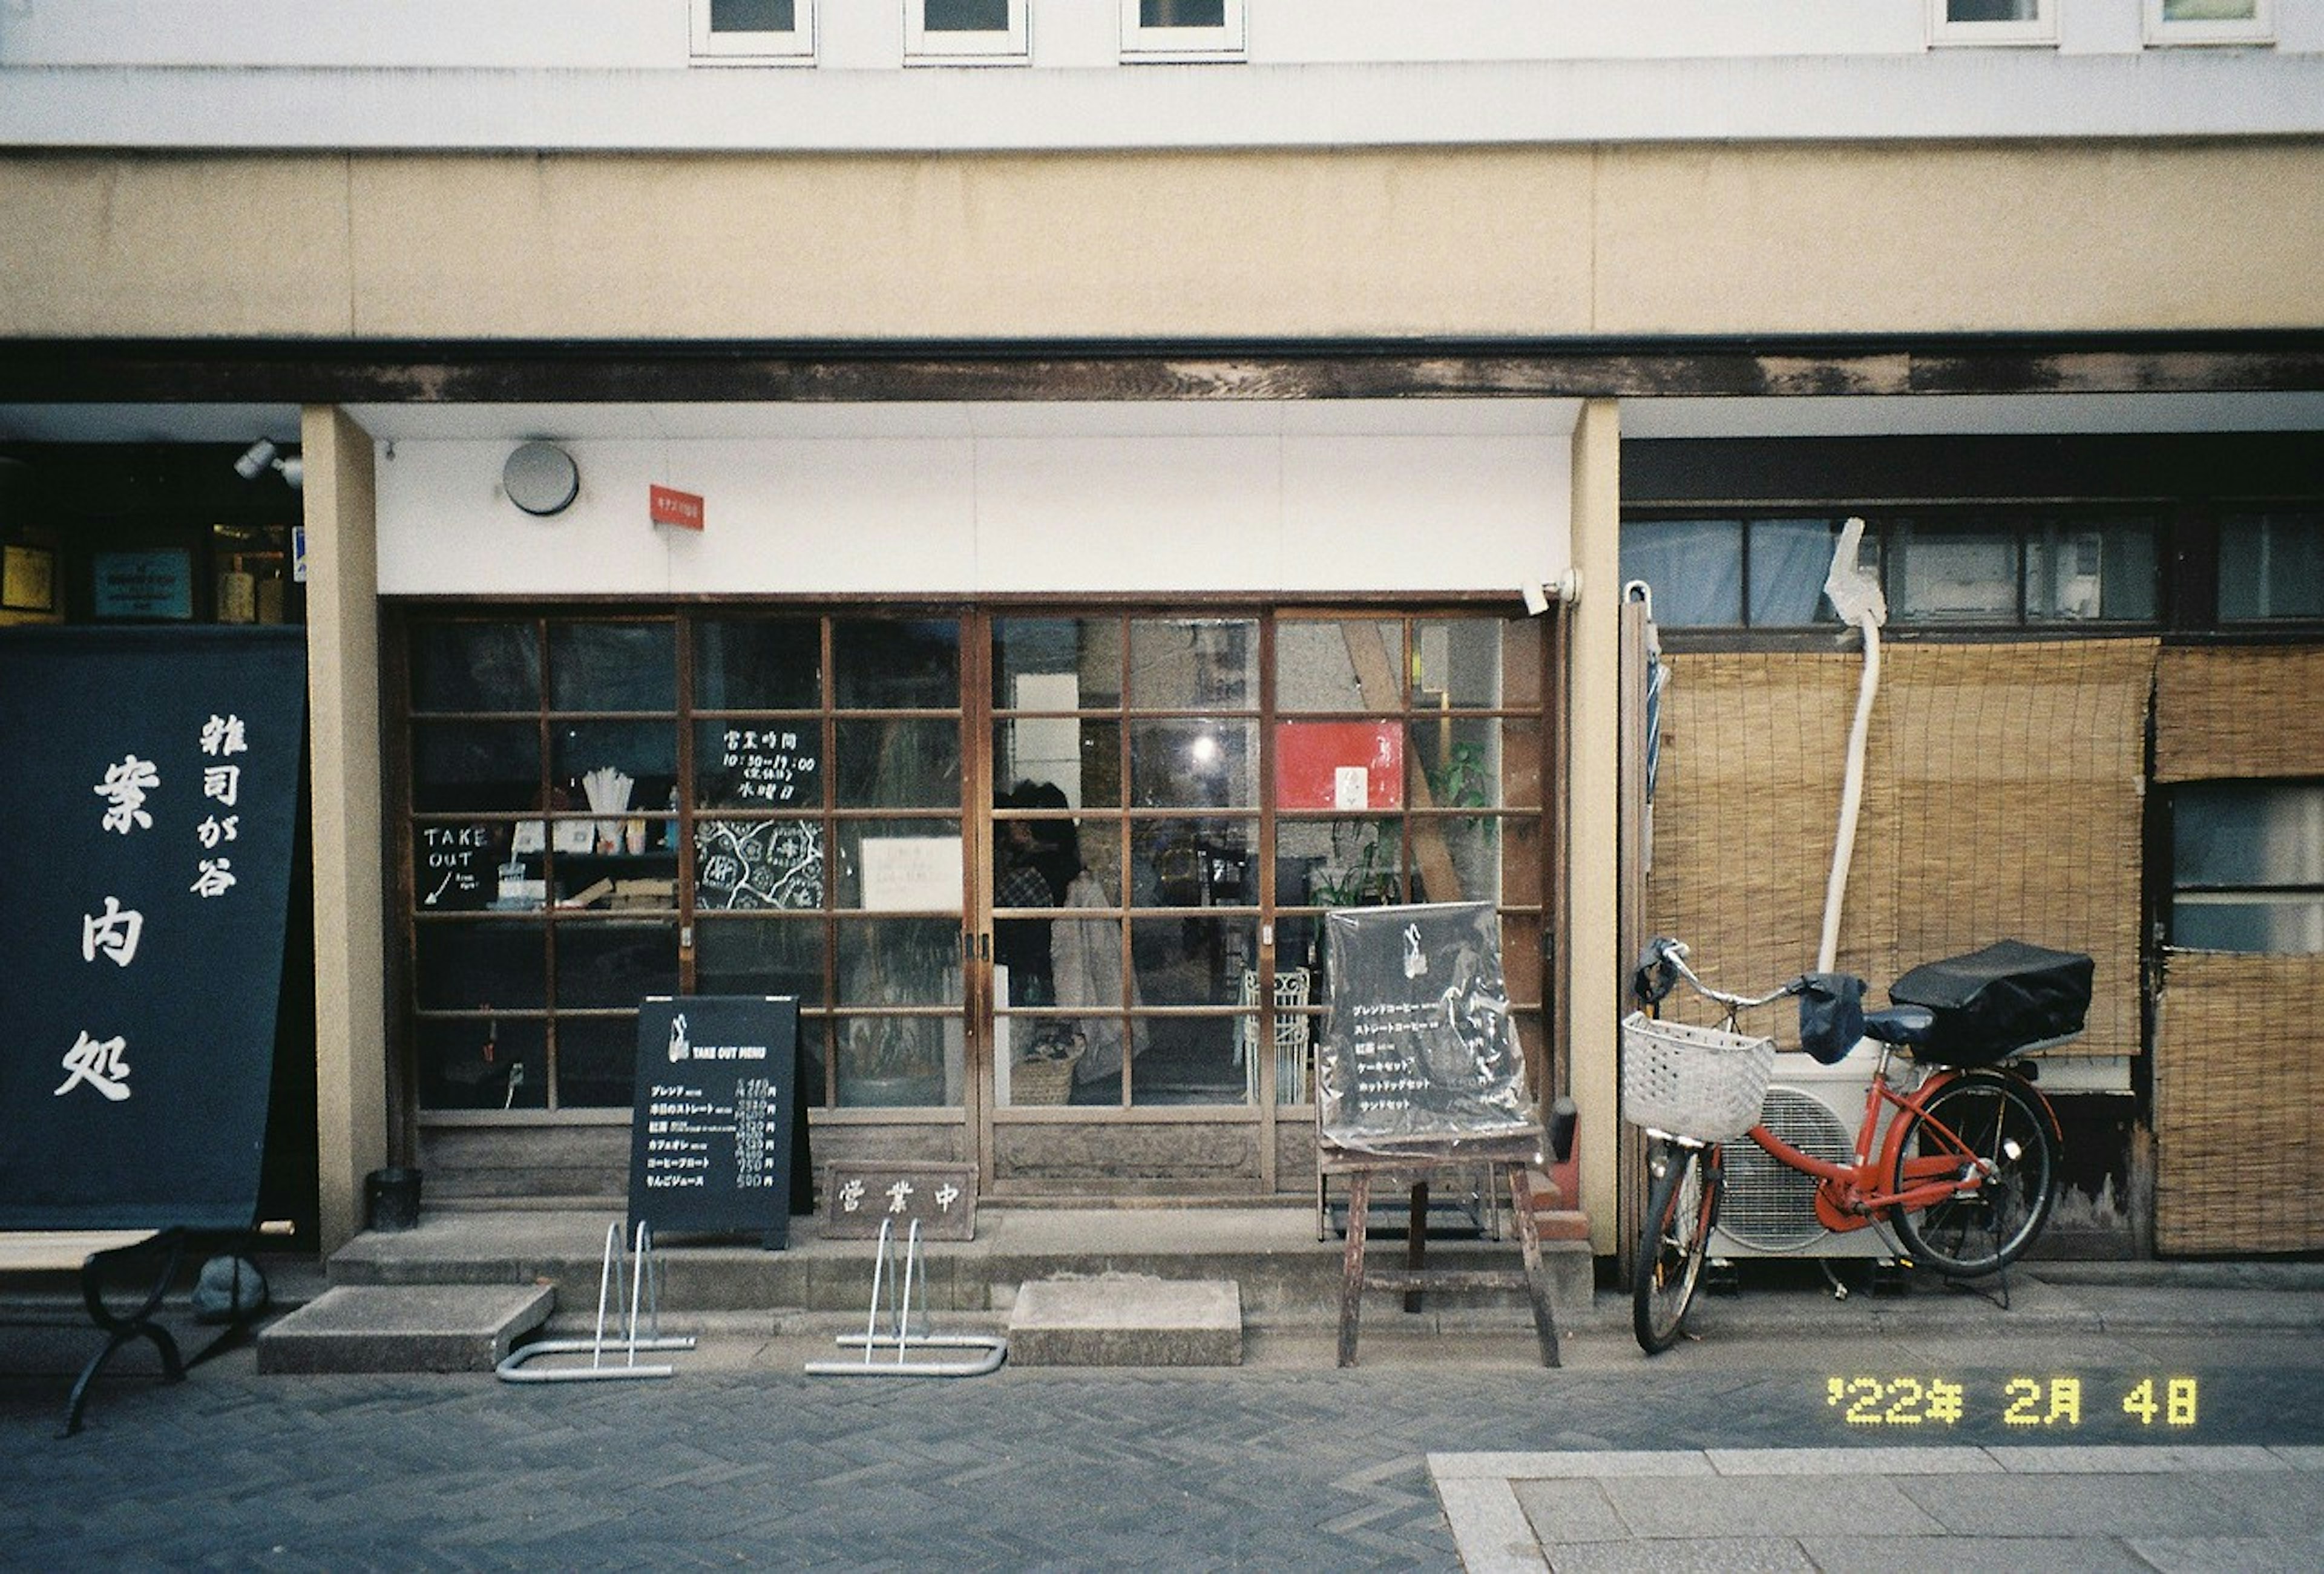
(1991, 567)
(2177, 22)
(755, 32)
(2271, 566)
(965, 32)
(1181, 30)
(1983, 22)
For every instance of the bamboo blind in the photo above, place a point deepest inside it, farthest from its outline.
(2003, 797)
(2244, 712)
(2238, 1104)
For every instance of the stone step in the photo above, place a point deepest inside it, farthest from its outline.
(1127, 1321)
(405, 1328)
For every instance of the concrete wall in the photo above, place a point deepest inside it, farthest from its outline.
(1365, 244)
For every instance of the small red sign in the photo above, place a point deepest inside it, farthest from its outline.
(669, 506)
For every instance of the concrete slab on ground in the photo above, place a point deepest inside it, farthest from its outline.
(405, 1328)
(1127, 1321)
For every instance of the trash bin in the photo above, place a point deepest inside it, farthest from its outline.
(392, 1199)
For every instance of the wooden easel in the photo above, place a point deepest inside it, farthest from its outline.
(1514, 1157)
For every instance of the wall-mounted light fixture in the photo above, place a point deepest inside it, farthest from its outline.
(1566, 589)
(540, 478)
(262, 457)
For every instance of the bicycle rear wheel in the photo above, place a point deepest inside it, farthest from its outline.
(1993, 1121)
(1680, 1205)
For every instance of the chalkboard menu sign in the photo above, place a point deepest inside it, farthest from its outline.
(144, 883)
(1419, 1054)
(711, 1145)
(456, 863)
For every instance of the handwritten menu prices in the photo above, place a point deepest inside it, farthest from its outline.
(711, 1146)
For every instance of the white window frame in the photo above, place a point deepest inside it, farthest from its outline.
(794, 47)
(1006, 46)
(2162, 32)
(2040, 29)
(1224, 43)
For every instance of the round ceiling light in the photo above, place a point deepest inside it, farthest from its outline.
(540, 478)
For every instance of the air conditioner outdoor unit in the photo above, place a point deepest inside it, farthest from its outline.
(1769, 1209)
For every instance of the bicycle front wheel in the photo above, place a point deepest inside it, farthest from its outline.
(1682, 1204)
(1992, 1124)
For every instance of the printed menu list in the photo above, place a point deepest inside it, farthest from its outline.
(711, 1147)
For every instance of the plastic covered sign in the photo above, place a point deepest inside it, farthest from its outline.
(1419, 1054)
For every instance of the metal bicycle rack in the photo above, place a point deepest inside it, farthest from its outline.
(898, 1336)
(644, 1283)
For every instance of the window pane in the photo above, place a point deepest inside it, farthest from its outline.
(964, 15)
(1193, 863)
(1080, 758)
(2247, 833)
(1992, 10)
(752, 16)
(753, 956)
(2209, 10)
(2097, 568)
(759, 764)
(487, 766)
(1693, 567)
(741, 865)
(2286, 926)
(614, 767)
(613, 666)
(888, 1061)
(476, 1062)
(1181, 13)
(899, 764)
(1456, 664)
(899, 962)
(1790, 560)
(1193, 764)
(596, 1062)
(771, 664)
(896, 665)
(1945, 574)
(1456, 857)
(2271, 566)
(1056, 664)
(1193, 664)
(1457, 763)
(615, 964)
(475, 667)
(477, 967)
(1338, 666)
(854, 834)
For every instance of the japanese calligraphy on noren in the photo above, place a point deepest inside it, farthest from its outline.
(144, 919)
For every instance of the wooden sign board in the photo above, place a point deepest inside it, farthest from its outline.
(858, 1196)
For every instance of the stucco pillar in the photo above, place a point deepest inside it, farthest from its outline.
(1593, 719)
(351, 1111)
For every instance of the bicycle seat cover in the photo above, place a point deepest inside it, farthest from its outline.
(1904, 1025)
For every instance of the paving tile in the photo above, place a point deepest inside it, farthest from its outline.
(1865, 1461)
(1969, 1555)
(1763, 1507)
(2221, 1554)
(2077, 1505)
(1570, 1511)
(1709, 1555)
(1578, 1462)
(2156, 1458)
(1490, 1528)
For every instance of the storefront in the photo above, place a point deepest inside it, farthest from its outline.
(1044, 868)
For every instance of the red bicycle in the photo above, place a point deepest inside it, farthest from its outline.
(1957, 1149)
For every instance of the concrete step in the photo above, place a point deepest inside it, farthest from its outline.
(1283, 1273)
(405, 1328)
(1127, 1321)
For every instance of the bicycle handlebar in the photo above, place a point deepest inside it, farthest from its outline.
(1663, 963)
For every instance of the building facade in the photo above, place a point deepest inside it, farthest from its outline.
(1201, 446)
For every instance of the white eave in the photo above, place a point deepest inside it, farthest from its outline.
(1982, 94)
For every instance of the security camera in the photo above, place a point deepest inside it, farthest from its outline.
(256, 459)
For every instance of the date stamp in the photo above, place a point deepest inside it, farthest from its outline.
(2053, 1402)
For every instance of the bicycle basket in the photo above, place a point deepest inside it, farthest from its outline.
(1692, 1081)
